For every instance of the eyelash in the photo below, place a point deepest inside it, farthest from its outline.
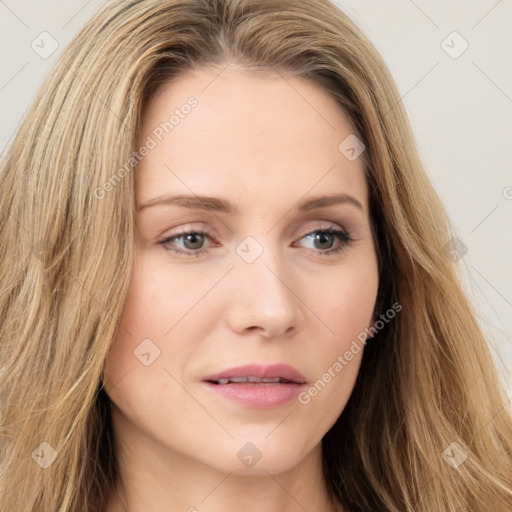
(343, 236)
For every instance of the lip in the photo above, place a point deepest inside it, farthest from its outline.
(258, 395)
(283, 371)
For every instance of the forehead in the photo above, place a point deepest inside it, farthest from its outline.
(249, 135)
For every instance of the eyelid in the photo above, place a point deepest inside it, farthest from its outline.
(183, 232)
(324, 227)
(343, 236)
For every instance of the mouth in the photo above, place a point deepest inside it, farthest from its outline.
(258, 374)
(251, 380)
(257, 386)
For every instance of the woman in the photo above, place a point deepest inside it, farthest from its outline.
(224, 283)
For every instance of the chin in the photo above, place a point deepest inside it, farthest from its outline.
(258, 456)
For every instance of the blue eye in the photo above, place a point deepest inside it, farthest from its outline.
(193, 241)
(320, 235)
(188, 236)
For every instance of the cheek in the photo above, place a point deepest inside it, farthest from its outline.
(157, 300)
(141, 320)
(343, 298)
(345, 308)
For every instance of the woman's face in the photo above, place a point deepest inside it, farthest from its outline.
(265, 286)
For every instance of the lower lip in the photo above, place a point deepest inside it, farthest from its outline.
(257, 395)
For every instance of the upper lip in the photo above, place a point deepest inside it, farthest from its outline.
(282, 371)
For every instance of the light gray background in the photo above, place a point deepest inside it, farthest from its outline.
(460, 109)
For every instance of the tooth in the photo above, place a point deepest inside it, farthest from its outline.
(250, 379)
(257, 379)
(238, 379)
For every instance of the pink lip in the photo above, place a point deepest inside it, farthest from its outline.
(283, 371)
(258, 395)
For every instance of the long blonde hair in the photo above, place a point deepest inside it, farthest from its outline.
(426, 387)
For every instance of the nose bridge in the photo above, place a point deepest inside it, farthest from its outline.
(262, 293)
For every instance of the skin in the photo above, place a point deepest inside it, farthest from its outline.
(264, 143)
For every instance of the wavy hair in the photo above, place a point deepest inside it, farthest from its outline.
(427, 379)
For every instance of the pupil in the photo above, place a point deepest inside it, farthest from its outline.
(324, 236)
(191, 238)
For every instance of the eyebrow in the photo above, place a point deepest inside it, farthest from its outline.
(216, 204)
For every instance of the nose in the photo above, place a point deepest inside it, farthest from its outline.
(263, 300)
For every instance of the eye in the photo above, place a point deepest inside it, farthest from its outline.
(192, 240)
(326, 237)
